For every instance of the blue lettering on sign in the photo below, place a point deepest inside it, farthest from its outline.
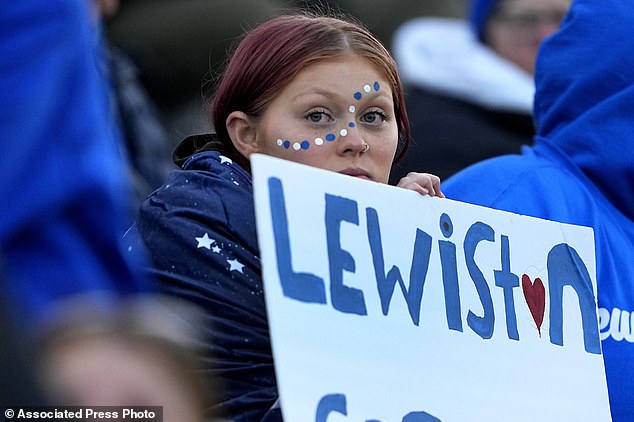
(344, 298)
(449, 268)
(336, 403)
(329, 404)
(387, 282)
(305, 287)
(564, 266)
(505, 279)
(483, 326)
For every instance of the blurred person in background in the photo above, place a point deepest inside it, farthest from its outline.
(470, 82)
(146, 354)
(144, 141)
(64, 188)
(65, 195)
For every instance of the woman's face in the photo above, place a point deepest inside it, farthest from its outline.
(326, 116)
(517, 30)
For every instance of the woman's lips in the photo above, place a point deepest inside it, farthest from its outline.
(356, 172)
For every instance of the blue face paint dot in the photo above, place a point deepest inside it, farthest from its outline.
(351, 124)
(376, 86)
(287, 144)
(357, 95)
(331, 137)
(446, 226)
(305, 144)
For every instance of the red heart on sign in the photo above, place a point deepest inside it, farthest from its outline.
(535, 296)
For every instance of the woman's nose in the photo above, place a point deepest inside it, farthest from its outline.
(351, 141)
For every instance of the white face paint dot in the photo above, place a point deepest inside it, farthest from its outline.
(297, 146)
(343, 132)
(367, 88)
(280, 142)
(319, 141)
(352, 109)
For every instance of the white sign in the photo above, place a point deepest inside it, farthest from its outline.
(385, 305)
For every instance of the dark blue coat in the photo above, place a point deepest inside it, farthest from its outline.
(199, 230)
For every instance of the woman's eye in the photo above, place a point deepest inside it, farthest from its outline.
(373, 117)
(318, 117)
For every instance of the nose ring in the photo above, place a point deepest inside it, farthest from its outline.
(366, 147)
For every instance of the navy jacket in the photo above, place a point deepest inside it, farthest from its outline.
(581, 168)
(199, 230)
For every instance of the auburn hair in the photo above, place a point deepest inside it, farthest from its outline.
(274, 52)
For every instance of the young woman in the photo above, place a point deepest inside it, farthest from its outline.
(314, 90)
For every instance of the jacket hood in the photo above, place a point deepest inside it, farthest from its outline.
(479, 14)
(584, 101)
(444, 56)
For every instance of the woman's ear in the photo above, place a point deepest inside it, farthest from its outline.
(242, 130)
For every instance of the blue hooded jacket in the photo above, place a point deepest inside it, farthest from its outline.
(63, 186)
(581, 168)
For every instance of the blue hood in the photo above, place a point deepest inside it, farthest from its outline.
(576, 93)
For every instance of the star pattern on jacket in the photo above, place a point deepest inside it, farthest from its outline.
(207, 242)
(235, 265)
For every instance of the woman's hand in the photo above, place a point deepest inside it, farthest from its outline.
(423, 183)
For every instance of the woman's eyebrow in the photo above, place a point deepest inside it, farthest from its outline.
(318, 91)
(353, 96)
